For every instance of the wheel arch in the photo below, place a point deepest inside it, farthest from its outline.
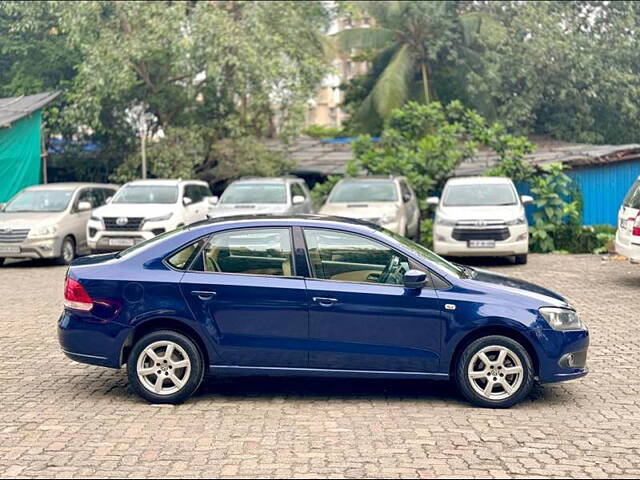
(489, 330)
(164, 323)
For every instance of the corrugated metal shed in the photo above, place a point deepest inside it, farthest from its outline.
(15, 108)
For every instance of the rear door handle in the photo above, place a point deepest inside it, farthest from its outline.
(204, 294)
(325, 301)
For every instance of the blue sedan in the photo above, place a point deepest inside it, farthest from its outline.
(313, 295)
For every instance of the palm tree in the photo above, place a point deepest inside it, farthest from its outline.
(409, 38)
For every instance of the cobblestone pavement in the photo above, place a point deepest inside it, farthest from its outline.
(61, 419)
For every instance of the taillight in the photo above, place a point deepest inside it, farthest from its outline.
(75, 296)
(636, 225)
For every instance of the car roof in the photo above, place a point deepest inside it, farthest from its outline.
(301, 219)
(375, 178)
(164, 181)
(478, 180)
(69, 186)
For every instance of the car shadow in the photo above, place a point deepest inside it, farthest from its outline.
(27, 263)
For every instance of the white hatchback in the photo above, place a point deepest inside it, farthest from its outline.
(628, 233)
(481, 216)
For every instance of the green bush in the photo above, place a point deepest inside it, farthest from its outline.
(583, 239)
(321, 132)
(426, 232)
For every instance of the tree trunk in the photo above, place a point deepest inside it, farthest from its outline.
(425, 82)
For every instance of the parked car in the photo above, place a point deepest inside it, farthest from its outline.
(263, 196)
(143, 209)
(311, 295)
(628, 233)
(49, 221)
(481, 216)
(389, 202)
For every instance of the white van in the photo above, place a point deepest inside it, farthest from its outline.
(143, 209)
(481, 216)
(628, 233)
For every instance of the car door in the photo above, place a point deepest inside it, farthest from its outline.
(78, 218)
(411, 211)
(297, 191)
(358, 318)
(244, 289)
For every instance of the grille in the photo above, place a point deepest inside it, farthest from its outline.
(16, 235)
(133, 224)
(464, 234)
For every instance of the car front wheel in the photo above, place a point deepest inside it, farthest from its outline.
(67, 252)
(495, 372)
(521, 259)
(165, 367)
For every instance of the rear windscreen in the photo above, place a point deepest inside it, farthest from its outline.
(632, 199)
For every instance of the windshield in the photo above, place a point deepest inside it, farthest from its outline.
(40, 201)
(251, 193)
(425, 253)
(632, 200)
(147, 194)
(364, 191)
(478, 195)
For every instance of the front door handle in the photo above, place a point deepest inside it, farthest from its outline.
(325, 301)
(204, 294)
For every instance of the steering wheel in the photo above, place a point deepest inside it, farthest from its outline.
(390, 269)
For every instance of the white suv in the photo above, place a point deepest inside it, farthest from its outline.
(481, 216)
(628, 233)
(143, 209)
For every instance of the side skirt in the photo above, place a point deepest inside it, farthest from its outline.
(319, 372)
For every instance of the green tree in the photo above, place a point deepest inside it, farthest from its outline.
(426, 143)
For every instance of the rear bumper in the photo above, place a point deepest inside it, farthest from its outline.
(562, 355)
(628, 250)
(86, 340)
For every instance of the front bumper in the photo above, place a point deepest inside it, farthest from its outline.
(516, 244)
(33, 248)
(562, 355)
(101, 240)
(85, 339)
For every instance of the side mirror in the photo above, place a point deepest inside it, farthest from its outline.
(297, 199)
(414, 279)
(406, 197)
(186, 201)
(526, 199)
(213, 200)
(435, 201)
(84, 206)
(108, 200)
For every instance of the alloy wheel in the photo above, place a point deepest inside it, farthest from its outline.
(495, 372)
(163, 367)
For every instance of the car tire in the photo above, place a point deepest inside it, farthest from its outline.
(173, 384)
(67, 251)
(521, 259)
(490, 385)
(2, 259)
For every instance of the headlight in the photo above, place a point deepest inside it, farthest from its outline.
(521, 220)
(96, 219)
(445, 222)
(562, 318)
(43, 232)
(159, 219)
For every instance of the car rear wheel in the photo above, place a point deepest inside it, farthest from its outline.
(67, 251)
(165, 367)
(2, 261)
(495, 371)
(521, 259)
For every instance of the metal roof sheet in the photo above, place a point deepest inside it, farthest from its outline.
(15, 108)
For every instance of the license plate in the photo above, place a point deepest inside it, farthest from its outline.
(9, 249)
(482, 243)
(121, 242)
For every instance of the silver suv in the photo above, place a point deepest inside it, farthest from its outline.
(49, 221)
(263, 196)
